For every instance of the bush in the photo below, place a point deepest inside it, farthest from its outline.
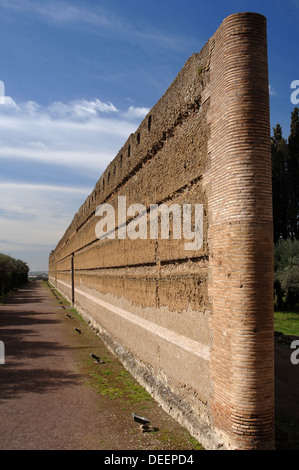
(13, 273)
(286, 272)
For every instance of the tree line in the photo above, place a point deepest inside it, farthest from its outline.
(13, 273)
(285, 194)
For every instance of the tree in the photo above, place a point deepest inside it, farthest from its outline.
(280, 189)
(293, 174)
(286, 271)
(285, 194)
(285, 177)
(13, 273)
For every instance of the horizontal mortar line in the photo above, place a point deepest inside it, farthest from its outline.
(189, 345)
(151, 154)
(62, 259)
(184, 260)
(146, 264)
(156, 146)
(147, 211)
(200, 258)
(123, 266)
(167, 198)
(64, 271)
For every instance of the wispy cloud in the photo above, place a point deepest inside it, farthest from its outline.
(104, 21)
(33, 218)
(83, 136)
(42, 187)
(80, 134)
(80, 109)
(136, 112)
(37, 214)
(272, 92)
(57, 11)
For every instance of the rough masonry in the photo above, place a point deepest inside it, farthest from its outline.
(195, 328)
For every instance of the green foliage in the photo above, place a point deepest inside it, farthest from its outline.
(200, 70)
(285, 177)
(13, 273)
(293, 169)
(280, 188)
(114, 385)
(286, 271)
(285, 198)
(196, 444)
(287, 321)
(284, 252)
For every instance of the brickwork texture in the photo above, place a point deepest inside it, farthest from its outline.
(194, 327)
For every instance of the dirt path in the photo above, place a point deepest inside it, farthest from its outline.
(50, 391)
(53, 395)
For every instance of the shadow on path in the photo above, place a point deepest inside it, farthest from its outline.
(34, 362)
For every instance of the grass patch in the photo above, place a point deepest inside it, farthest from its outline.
(57, 294)
(114, 384)
(287, 321)
(196, 444)
(63, 301)
(200, 70)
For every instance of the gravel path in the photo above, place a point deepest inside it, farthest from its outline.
(47, 403)
(45, 399)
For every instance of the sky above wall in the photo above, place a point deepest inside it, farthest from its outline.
(79, 78)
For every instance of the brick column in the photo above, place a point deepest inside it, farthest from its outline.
(240, 234)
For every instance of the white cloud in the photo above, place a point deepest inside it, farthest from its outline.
(81, 134)
(35, 214)
(42, 187)
(136, 112)
(58, 11)
(9, 105)
(34, 217)
(32, 107)
(104, 21)
(272, 92)
(80, 109)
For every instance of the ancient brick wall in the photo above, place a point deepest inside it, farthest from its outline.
(195, 327)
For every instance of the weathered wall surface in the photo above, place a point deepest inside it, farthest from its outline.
(194, 327)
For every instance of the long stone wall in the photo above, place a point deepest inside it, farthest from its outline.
(193, 326)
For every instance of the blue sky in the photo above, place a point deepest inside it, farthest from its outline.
(80, 76)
